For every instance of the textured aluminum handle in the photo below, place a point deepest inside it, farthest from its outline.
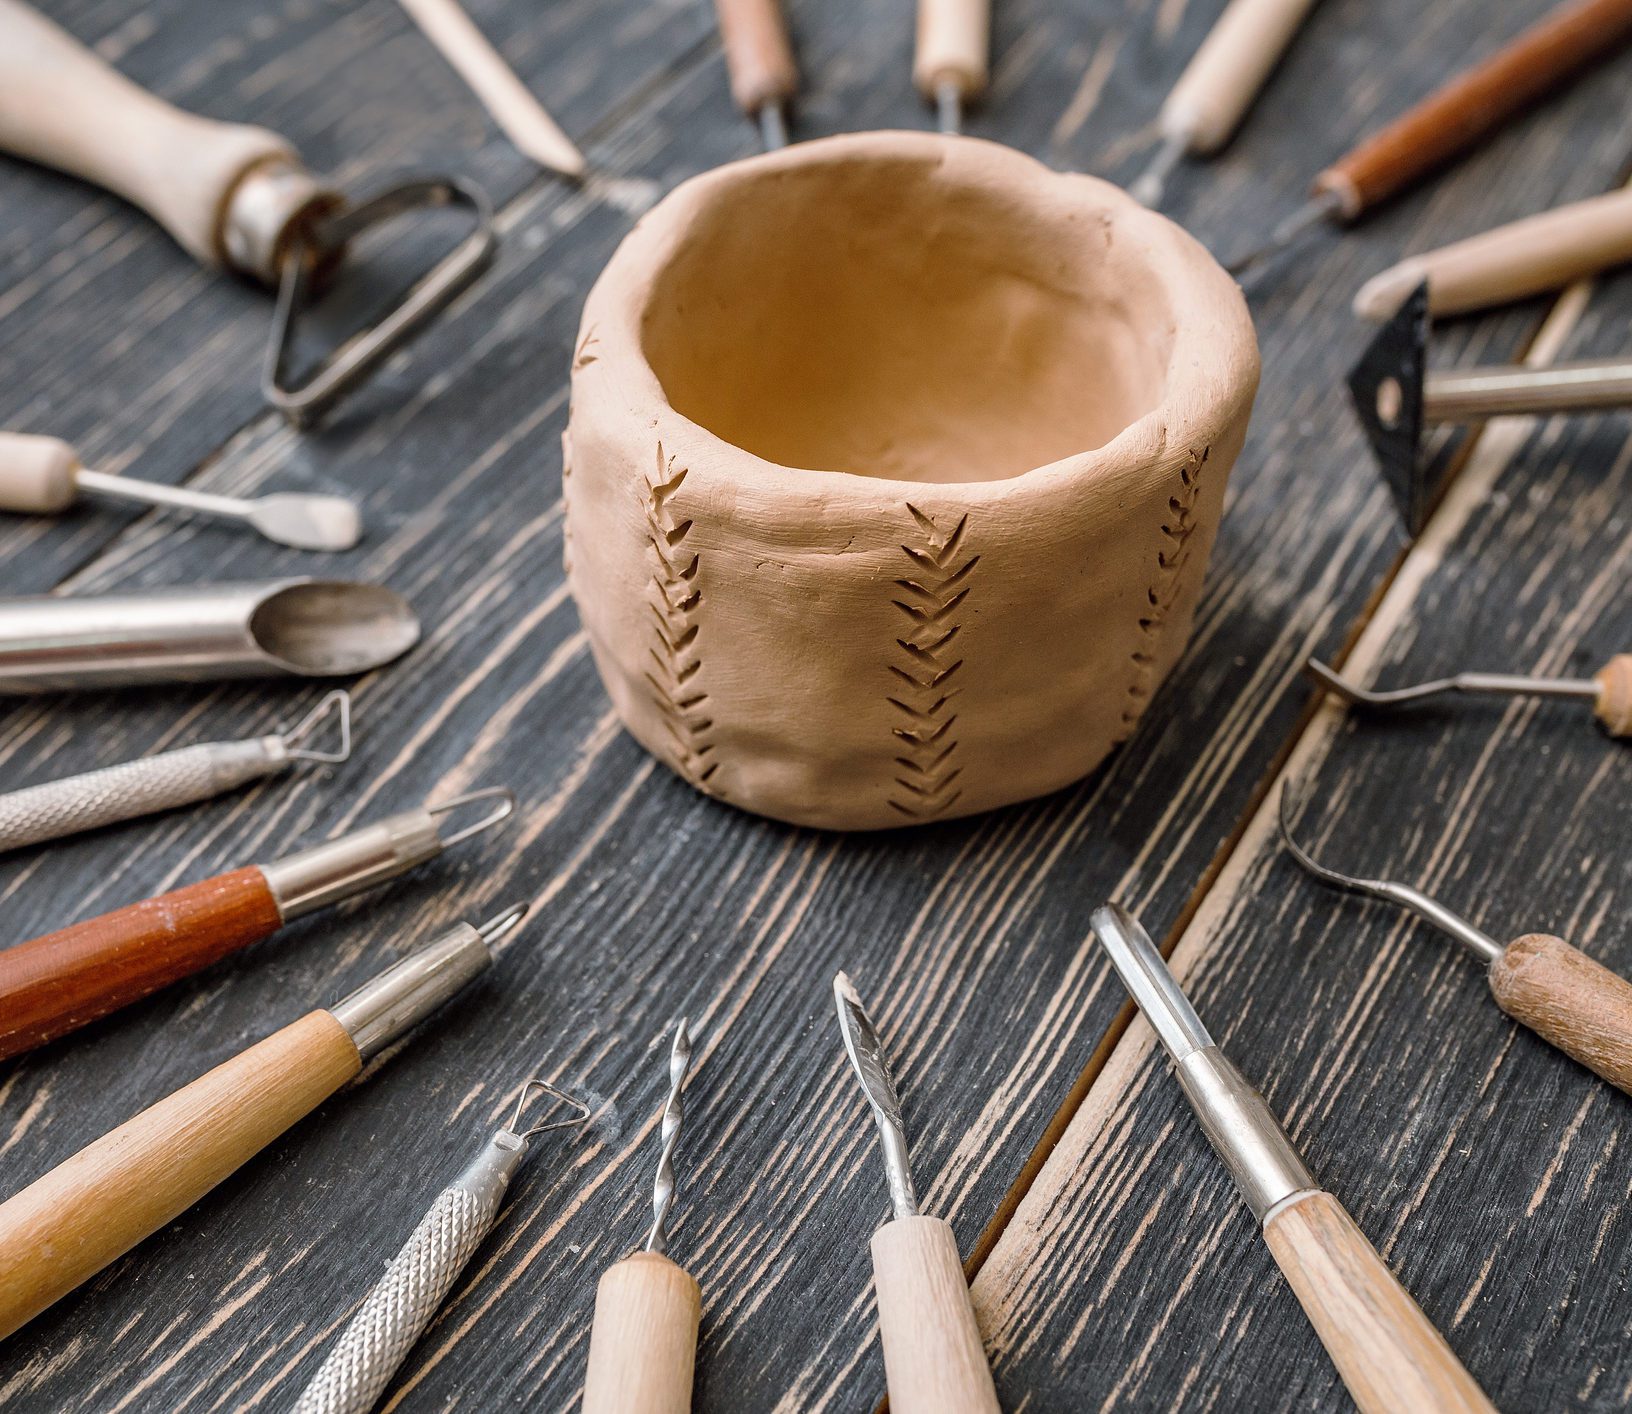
(134, 788)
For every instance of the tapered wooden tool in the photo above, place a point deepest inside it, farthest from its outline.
(1457, 116)
(934, 1362)
(94, 1207)
(1541, 981)
(1388, 1352)
(764, 77)
(953, 56)
(57, 983)
(643, 1345)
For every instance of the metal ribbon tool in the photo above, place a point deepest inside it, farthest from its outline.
(170, 779)
(395, 1313)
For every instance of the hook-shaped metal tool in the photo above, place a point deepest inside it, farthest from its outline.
(505, 808)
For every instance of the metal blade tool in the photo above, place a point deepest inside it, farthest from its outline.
(934, 1362)
(1388, 1353)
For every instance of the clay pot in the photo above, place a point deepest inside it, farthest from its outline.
(894, 463)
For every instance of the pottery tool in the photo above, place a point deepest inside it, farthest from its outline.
(232, 196)
(1456, 117)
(1542, 982)
(934, 1362)
(201, 633)
(169, 779)
(1539, 253)
(396, 1311)
(953, 56)
(94, 1207)
(760, 61)
(1388, 1352)
(520, 116)
(1609, 690)
(643, 1345)
(1395, 396)
(1207, 104)
(58, 982)
(43, 475)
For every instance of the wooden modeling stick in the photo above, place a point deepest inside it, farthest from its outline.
(934, 1362)
(94, 1207)
(1388, 1352)
(953, 59)
(643, 1345)
(764, 77)
(1541, 981)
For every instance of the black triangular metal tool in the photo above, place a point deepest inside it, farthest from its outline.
(1386, 385)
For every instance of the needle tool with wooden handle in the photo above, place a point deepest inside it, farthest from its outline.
(1542, 982)
(1388, 1352)
(1609, 690)
(760, 62)
(418, 1279)
(1456, 117)
(171, 779)
(234, 197)
(94, 1207)
(1540, 253)
(57, 983)
(934, 1362)
(1218, 86)
(643, 1345)
(953, 56)
(43, 475)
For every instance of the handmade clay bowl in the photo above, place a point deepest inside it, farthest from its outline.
(893, 466)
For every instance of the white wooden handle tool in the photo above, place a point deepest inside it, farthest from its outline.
(760, 60)
(953, 55)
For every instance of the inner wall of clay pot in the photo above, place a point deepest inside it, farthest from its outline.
(883, 318)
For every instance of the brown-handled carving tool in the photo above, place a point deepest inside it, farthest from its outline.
(643, 1345)
(760, 60)
(54, 984)
(232, 196)
(94, 1207)
(953, 56)
(1456, 117)
(1388, 1352)
(1609, 690)
(1541, 981)
(1218, 86)
(934, 1362)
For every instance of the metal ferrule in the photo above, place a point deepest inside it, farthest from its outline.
(406, 993)
(1244, 1131)
(490, 1171)
(339, 868)
(269, 201)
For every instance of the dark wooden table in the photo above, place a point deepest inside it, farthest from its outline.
(1114, 1264)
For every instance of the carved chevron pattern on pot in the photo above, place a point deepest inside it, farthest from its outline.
(1171, 560)
(926, 667)
(676, 663)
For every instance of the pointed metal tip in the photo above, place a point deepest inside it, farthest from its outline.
(949, 108)
(844, 990)
(1151, 184)
(1334, 683)
(773, 125)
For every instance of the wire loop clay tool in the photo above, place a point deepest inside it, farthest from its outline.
(1542, 982)
(952, 62)
(234, 197)
(170, 779)
(1388, 1352)
(94, 1207)
(934, 1362)
(397, 1310)
(643, 1345)
(57, 983)
(759, 58)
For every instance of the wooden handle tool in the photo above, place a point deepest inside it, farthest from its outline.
(953, 59)
(764, 77)
(92, 1208)
(1542, 982)
(934, 1361)
(1389, 1354)
(59, 982)
(643, 1345)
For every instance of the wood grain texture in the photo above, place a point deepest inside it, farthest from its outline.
(1389, 1354)
(60, 981)
(643, 1348)
(94, 1207)
(1565, 997)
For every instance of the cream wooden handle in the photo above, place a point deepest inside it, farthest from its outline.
(70, 1223)
(1219, 84)
(62, 106)
(1566, 998)
(954, 45)
(1388, 1353)
(757, 52)
(934, 1362)
(1614, 704)
(643, 1345)
(1543, 252)
(37, 474)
